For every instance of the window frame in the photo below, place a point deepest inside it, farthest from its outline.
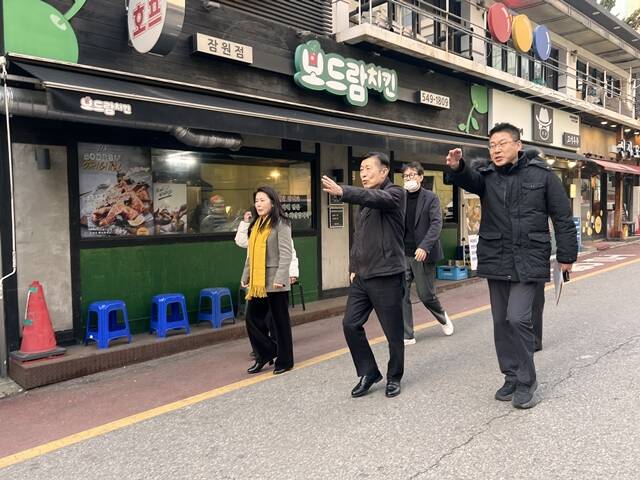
(268, 154)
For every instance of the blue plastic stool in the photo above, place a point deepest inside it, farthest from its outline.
(107, 327)
(178, 318)
(215, 315)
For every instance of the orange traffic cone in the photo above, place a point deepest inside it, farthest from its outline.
(38, 340)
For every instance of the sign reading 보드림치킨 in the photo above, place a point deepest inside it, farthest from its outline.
(317, 70)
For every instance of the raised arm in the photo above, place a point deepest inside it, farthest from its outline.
(373, 197)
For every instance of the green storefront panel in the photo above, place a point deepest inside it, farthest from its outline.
(135, 274)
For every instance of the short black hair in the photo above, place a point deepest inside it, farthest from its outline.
(506, 127)
(383, 158)
(417, 166)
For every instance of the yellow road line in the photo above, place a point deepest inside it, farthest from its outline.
(201, 397)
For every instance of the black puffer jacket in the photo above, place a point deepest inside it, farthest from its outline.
(515, 243)
(378, 245)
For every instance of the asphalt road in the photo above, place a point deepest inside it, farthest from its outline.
(444, 425)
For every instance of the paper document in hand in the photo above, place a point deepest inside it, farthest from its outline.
(558, 280)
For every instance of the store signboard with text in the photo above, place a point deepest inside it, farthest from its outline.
(537, 122)
(348, 77)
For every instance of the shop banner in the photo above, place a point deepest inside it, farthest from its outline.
(115, 190)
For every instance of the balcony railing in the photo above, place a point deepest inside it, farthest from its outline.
(431, 25)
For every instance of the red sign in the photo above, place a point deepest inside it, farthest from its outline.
(499, 22)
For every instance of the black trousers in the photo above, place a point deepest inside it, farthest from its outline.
(536, 314)
(271, 315)
(384, 295)
(511, 305)
(424, 274)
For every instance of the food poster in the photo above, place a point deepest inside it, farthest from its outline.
(472, 214)
(115, 190)
(170, 204)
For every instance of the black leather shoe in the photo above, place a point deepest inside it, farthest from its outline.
(281, 370)
(365, 383)
(505, 392)
(258, 365)
(524, 396)
(393, 389)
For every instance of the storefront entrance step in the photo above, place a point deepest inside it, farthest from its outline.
(80, 361)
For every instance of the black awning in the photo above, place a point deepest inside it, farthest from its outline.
(558, 152)
(69, 91)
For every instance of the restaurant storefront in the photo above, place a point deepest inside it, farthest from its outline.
(132, 171)
(608, 179)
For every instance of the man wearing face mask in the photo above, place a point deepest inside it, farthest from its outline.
(423, 223)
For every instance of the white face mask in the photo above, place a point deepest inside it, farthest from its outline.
(411, 185)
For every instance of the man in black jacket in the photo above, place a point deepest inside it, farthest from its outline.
(518, 194)
(422, 227)
(376, 266)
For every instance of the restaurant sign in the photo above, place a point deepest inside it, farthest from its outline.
(317, 70)
(222, 48)
(155, 25)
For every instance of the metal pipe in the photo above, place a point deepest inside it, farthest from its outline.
(207, 140)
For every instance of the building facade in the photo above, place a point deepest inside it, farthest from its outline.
(139, 130)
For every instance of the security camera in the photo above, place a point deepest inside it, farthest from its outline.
(210, 5)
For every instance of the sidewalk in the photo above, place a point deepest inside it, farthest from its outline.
(80, 360)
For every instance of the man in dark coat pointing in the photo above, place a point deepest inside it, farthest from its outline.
(518, 194)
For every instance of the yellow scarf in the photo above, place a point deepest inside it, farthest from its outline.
(258, 259)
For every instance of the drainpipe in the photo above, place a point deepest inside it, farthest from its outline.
(3, 343)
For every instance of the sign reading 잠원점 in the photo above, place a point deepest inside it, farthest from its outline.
(154, 25)
(317, 70)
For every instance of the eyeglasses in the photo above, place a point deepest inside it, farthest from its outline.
(499, 146)
(410, 176)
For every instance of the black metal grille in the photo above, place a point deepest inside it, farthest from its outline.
(312, 15)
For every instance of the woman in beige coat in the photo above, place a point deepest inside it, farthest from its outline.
(266, 277)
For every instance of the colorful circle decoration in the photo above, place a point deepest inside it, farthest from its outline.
(522, 33)
(542, 42)
(499, 22)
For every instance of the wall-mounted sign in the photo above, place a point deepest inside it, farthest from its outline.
(570, 140)
(222, 48)
(434, 99)
(503, 26)
(499, 22)
(522, 33)
(107, 107)
(542, 42)
(317, 70)
(542, 124)
(336, 217)
(154, 25)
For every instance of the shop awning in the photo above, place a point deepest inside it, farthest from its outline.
(557, 152)
(617, 167)
(68, 91)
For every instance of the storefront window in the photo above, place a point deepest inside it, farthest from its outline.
(136, 191)
(433, 180)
